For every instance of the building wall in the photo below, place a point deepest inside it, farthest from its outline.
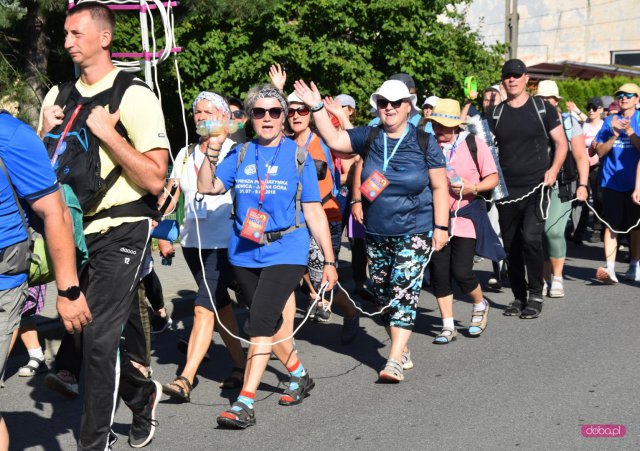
(553, 30)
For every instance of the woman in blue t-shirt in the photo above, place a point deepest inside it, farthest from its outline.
(404, 188)
(276, 194)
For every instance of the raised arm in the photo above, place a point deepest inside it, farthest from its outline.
(208, 183)
(337, 140)
(278, 76)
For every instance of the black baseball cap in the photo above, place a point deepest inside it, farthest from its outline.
(404, 78)
(595, 101)
(514, 66)
(235, 101)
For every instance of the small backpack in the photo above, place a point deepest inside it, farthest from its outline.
(301, 157)
(74, 150)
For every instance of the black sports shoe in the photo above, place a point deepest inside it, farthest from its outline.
(532, 310)
(144, 421)
(514, 308)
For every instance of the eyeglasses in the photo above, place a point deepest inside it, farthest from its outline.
(301, 111)
(258, 113)
(623, 95)
(592, 108)
(382, 103)
(239, 114)
(508, 76)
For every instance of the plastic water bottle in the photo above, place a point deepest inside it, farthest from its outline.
(213, 128)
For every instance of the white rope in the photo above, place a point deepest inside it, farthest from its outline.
(319, 295)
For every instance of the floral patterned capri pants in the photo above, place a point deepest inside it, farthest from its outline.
(396, 266)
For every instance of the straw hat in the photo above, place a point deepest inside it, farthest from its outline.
(447, 113)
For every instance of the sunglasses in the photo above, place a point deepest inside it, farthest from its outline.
(382, 103)
(301, 111)
(508, 76)
(592, 108)
(623, 95)
(239, 114)
(258, 113)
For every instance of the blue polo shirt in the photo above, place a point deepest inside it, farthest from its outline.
(405, 207)
(618, 167)
(30, 171)
(279, 202)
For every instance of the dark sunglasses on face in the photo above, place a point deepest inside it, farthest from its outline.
(239, 114)
(258, 113)
(592, 108)
(301, 111)
(622, 95)
(508, 76)
(382, 103)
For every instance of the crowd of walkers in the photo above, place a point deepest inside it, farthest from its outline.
(272, 185)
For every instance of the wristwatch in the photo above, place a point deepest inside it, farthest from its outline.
(72, 293)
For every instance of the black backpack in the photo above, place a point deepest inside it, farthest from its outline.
(569, 170)
(76, 150)
(423, 140)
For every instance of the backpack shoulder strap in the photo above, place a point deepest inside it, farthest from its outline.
(241, 153)
(371, 137)
(301, 157)
(121, 83)
(64, 92)
(473, 150)
(423, 141)
(15, 198)
(541, 110)
(496, 113)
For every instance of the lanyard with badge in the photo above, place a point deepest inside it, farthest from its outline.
(256, 220)
(376, 183)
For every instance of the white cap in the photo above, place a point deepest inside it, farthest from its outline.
(293, 98)
(431, 100)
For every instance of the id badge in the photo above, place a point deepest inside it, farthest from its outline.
(254, 224)
(374, 185)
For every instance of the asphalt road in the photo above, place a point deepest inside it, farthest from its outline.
(524, 384)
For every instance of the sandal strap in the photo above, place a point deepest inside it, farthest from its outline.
(244, 408)
(186, 382)
(30, 364)
(393, 366)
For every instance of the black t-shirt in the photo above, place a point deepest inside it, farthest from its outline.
(524, 142)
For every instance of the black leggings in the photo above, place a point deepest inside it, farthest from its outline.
(455, 259)
(266, 291)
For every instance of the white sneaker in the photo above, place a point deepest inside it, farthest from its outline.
(633, 273)
(545, 287)
(556, 289)
(605, 276)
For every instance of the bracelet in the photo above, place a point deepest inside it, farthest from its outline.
(330, 264)
(582, 185)
(439, 227)
(317, 108)
(355, 201)
(475, 190)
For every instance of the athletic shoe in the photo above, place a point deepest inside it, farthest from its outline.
(159, 324)
(556, 289)
(322, 315)
(606, 277)
(633, 273)
(63, 382)
(494, 284)
(144, 421)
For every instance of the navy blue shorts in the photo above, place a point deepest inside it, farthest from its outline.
(218, 275)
